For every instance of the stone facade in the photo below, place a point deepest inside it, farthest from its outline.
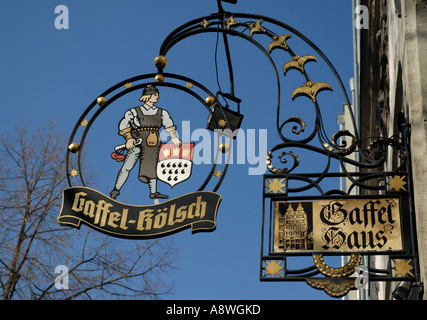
(393, 91)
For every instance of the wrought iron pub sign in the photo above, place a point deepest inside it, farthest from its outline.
(304, 212)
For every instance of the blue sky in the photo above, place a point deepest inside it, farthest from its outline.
(46, 73)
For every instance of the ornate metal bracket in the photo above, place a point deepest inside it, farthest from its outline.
(345, 155)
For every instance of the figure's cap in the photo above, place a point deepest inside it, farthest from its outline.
(149, 90)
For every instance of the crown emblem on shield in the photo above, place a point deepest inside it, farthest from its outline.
(175, 163)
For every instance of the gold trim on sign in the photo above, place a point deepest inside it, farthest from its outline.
(334, 287)
(326, 270)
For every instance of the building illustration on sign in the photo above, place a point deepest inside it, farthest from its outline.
(292, 228)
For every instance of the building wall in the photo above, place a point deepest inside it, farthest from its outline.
(393, 82)
(413, 62)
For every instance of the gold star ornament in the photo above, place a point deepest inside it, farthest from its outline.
(222, 123)
(275, 186)
(403, 267)
(205, 23)
(273, 268)
(397, 183)
(217, 173)
(74, 173)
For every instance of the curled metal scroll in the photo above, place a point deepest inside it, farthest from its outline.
(228, 24)
(246, 26)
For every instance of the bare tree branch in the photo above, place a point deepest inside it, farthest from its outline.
(32, 176)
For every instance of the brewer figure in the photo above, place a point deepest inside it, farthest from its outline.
(143, 123)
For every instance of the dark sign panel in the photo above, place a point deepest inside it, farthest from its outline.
(84, 205)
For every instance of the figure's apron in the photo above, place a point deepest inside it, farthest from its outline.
(150, 146)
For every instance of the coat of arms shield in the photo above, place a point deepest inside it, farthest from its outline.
(175, 163)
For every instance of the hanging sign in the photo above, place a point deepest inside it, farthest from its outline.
(158, 164)
(353, 225)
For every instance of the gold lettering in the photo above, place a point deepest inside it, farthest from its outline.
(78, 203)
(102, 208)
(181, 214)
(124, 219)
(171, 221)
(114, 216)
(160, 220)
(102, 212)
(200, 207)
(103, 219)
(89, 208)
(146, 216)
(190, 214)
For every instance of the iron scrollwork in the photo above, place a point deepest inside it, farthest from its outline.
(344, 149)
(348, 157)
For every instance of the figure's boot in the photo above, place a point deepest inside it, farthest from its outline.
(153, 190)
(114, 194)
(158, 195)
